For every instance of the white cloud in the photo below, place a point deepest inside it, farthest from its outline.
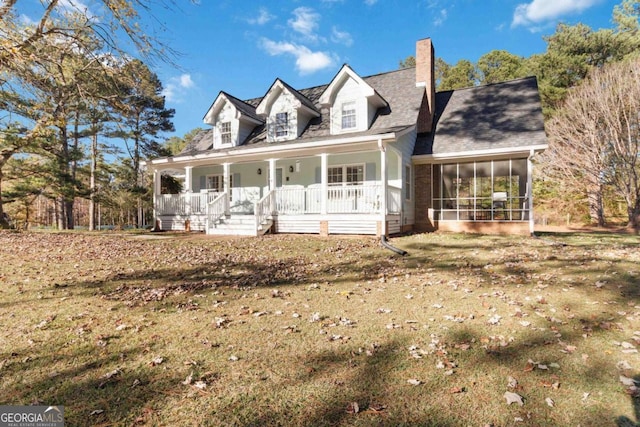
(305, 22)
(439, 19)
(263, 17)
(175, 90)
(307, 61)
(341, 37)
(75, 6)
(541, 11)
(370, 2)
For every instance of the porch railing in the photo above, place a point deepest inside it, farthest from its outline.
(184, 203)
(217, 208)
(288, 200)
(264, 208)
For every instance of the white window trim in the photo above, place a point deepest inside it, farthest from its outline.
(230, 133)
(286, 127)
(355, 115)
(344, 167)
(220, 177)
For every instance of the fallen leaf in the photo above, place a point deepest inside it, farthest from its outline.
(550, 402)
(512, 382)
(188, 380)
(414, 381)
(97, 412)
(353, 408)
(455, 390)
(513, 398)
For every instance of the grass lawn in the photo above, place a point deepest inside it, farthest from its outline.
(188, 330)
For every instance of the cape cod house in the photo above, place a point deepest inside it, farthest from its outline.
(376, 155)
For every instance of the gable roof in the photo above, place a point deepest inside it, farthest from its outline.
(345, 73)
(498, 116)
(303, 100)
(246, 110)
(397, 88)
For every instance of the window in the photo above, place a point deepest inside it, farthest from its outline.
(282, 124)
(481, 191)
(335, 175)
(348, 174)
(225, 132)
(349, 115)
(216, 182)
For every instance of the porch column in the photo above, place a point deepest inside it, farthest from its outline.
(324, 182)
(272, 174)
(157, 190)
(530, 189)
(226, 187)
(187, 188)
(384, 182)
(188, 178)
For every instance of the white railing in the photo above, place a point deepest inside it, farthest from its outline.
(364, 198)
(184, 203)
(291, 200)
(263, 209)
(217, 208)
(298, 200)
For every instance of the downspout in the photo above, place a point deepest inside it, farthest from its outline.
(384, 182)
(383, 207)
(530, 185)
(383, 241)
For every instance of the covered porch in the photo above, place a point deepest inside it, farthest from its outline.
(344, 193)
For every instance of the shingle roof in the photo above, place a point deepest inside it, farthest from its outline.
(497, 116)
(398, 88)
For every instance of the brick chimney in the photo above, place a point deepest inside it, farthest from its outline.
(425, 76)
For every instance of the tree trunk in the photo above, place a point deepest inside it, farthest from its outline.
(92, 195)
(596, 205)
(4, 222)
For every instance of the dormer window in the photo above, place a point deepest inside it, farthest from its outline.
(282, 124)
(225, 132)
(353, 104)
(349, 115)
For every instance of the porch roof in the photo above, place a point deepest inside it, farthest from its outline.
(493, 118)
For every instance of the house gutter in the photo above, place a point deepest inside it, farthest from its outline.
(293, 149)
(493, 152)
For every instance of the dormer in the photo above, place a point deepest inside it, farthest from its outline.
(286, 111)
(352, 102)
(232, 121)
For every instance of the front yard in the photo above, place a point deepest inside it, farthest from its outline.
(176, 329)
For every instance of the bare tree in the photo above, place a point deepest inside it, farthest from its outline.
(595, 138)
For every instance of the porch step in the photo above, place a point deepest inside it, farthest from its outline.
(238, 225)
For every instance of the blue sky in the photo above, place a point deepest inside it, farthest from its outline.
(242, 46)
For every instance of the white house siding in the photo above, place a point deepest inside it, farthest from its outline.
(283, 104)
(350, 91)
(405, 145)
(227, 114)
